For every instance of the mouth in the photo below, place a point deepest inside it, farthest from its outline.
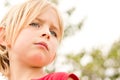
(42, 44)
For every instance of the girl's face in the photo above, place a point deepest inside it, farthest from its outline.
(36, 44)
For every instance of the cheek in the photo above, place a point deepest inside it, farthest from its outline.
(24, 38)
(54, 48)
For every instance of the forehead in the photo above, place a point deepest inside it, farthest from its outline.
(48, 13)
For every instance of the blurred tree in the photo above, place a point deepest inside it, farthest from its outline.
(98, 68)
(54, 1)
(72, 29)
(114, 57)
(6, 3)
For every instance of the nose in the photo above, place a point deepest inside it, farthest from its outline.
(46, 35)
(45, 32)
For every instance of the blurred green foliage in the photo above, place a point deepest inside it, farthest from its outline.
(6, 3)
(97, 68)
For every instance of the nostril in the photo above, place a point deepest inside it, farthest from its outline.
(46, 35)
(43, 34)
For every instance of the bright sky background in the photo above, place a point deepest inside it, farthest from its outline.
(100, 29)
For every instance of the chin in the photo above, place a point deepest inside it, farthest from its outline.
(38, 62)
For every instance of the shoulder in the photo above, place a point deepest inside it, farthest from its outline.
(60, 76)
(66, 76)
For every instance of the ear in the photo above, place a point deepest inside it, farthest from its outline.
(2, 36)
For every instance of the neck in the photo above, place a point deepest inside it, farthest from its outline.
(22, 72)
(25, 74)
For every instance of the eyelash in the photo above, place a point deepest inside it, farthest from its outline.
(34, 24)
(53, 33)
(37, 25)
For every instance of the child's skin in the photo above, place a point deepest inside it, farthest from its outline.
(33, 46)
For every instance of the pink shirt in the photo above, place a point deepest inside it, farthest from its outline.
(58, 76)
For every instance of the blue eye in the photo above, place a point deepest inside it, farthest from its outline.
(34, 25)
(53, 33)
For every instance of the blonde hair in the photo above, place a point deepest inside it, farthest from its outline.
(15, 20)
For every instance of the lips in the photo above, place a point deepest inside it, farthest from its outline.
(42, 44)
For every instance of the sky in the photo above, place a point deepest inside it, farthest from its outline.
(100, 29)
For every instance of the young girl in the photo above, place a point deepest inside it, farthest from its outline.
(29, 36)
